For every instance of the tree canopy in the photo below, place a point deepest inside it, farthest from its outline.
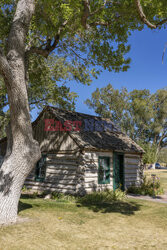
(142, 115)
(67, 40)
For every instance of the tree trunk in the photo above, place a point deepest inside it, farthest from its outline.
(23, 151)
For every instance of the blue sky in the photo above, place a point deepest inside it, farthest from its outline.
(146, 69)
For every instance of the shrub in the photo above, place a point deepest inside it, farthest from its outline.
(102, 197)
(24, 189)
(148, 187)
(35, 195)
(62, 197)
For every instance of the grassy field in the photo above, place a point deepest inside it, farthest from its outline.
(162, 174)
(131, 224)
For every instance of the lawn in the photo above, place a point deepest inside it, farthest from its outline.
(162, 174)
(132, 224)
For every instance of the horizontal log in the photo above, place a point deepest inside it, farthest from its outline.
(94, 174)
(61, 172)
(90, 178)
(133, 156)
(95, 155)
(60, 177)
(62, 161)
(99, 187)
(37, 188)
(96, 160)
(51, 185)
(129, 184)
(64, 158)
(90, 168)
(91, 181)
(131, 166)
(94, 170)
(64, 182)
(68, 154)
(131, 171)
(62, 167)
(132, 161)
(132, 178)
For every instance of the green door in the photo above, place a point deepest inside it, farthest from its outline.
(118, 171)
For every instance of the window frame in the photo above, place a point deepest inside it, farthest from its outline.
(37, 176)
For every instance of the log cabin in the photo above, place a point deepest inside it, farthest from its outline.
(81, 153)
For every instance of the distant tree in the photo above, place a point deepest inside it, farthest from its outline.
(150, 155)
(162, 157)
(140, 114)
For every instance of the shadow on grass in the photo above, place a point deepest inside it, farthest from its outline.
(122, 207)
(24, 206)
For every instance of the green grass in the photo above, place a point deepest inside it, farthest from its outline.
(129, 224)
(162, 174)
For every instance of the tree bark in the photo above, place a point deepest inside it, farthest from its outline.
(23, 151)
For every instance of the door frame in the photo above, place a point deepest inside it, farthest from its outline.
(114, 161)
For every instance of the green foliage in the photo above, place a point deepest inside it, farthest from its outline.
(106, 196)
(24, 189)
(92, 198)
(162, 157)
(35, 195)
(140, 114)
(60, 197)
(109, 103)
(148, 187)
(101, 42)
(150, 155)
(80, 46)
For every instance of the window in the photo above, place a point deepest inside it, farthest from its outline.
(104, 170)
(40, 169)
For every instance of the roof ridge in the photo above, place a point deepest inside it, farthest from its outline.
(69, 111)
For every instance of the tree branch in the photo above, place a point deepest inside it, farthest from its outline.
(77, 55)
(144, 18)
(161, 22)
(38, 101)
(48, 47)
(86, 13)
(101, 8)
(99, 23)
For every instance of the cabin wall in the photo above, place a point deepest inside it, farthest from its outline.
(61, 174)
(132, 170)
(55, 141)
(62, 161)
(77, 173)
(91, 171)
